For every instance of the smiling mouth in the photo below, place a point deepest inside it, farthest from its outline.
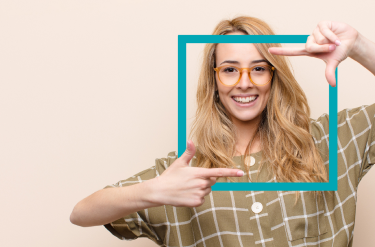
(245, 100)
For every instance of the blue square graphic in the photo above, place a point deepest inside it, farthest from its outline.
(183, 40)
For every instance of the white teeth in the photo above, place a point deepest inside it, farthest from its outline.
(245, 100)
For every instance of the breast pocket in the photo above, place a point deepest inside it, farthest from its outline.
(304, 218)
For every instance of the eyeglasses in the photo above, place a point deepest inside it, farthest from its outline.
(259, 75)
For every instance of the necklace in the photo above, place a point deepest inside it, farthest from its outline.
(248, 158)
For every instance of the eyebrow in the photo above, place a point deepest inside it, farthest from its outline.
(236, 62)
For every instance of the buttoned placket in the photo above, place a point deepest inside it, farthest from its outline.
(257, 205)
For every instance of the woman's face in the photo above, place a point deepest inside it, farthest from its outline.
(242, 56)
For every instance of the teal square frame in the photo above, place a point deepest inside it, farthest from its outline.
(183, 40)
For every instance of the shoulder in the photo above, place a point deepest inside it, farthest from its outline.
(361, 116)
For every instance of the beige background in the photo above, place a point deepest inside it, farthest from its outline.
(88, 96)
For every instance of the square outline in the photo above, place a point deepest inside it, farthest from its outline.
(183, 40)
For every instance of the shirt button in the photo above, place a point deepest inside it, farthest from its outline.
(250, 161)
(257, 207)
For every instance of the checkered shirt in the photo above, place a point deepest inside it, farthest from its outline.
(226, 217)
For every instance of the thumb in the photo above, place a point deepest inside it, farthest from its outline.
(189, 152)
(330, 72)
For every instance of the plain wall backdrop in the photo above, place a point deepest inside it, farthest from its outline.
(88, 96)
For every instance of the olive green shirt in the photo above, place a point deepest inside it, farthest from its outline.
(227, 219)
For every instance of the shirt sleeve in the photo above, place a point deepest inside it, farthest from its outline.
(356, 139)
(151, 223)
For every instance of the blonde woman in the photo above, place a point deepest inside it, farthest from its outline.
(252, 124)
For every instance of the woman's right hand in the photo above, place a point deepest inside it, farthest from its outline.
(183, 186)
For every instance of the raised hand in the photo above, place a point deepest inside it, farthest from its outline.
(183, 186)
(322, 44)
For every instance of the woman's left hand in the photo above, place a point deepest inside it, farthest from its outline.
(330, 41)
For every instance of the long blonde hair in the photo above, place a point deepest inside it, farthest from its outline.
(284, 128)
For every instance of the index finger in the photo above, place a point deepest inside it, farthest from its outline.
(288, 51)
(219, 172)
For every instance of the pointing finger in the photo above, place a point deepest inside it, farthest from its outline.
(288, 51)
(219, 172)
(312, 45)
(315, 48)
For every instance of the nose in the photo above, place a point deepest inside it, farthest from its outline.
(245, 81)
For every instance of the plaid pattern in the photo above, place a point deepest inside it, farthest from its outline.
(226, 218)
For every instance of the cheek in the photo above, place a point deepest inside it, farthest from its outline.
(223, 90)
(266, 96)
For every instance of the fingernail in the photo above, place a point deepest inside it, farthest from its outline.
(337, 42)
(240, 173)
(188, 145)
(332, 47)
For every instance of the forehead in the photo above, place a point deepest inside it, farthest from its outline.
(242, 52)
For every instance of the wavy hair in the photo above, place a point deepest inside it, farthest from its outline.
(284, 129)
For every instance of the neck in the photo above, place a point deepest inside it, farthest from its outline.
(245, 132)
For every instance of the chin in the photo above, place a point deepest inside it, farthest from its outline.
(247, 118)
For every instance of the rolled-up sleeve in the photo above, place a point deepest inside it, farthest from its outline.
(356, 137)
(151, 223)
(356, 140)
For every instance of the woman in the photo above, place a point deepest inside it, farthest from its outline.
(268, 134)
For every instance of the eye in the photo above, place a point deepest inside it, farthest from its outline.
(229, 70)
(259, 69)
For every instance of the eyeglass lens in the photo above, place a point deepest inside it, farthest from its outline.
(230, 75)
